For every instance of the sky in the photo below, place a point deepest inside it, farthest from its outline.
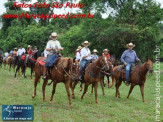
(62, 11)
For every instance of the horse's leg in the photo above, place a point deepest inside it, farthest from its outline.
(35, 85)
(95, 86)
(92, 88)
(120, 82)
(31, 71)
(81, 86)
(107, 77)
(17, 69)
(53, 91)
(43, 88)
(142, 92)
(67, 86)
(102, 86)
(117, 86)
(85, 90)
(131, 88)
(72, 89)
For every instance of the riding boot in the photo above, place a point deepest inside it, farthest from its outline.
(80, 76)
(127, 82)
(44, 73)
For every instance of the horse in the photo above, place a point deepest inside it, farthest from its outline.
(32, 60)
(92, 74)
(138, 77)
(1, 60)
(9, 61)
(60, 72)
(21, 63)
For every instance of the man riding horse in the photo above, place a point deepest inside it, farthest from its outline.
(85, 58)
(129, 57)
(52, 48)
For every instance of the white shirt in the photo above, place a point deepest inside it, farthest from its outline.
(78, 56)
(21, 51)
(53, 44)
(85, 52)
(6, 54)
(45, 53)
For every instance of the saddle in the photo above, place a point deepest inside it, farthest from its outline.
(123, 68)
(42, 61)
(23, 57)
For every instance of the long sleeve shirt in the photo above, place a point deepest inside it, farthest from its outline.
(77, 55)
(53, 44)
(85, 52)
(129, 56)
(21, 51)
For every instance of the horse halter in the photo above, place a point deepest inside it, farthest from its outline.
(105, 66)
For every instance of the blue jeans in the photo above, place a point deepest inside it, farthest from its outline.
(82, 64)
(51, 60)
(128, 68)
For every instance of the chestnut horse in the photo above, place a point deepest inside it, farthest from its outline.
(61, 72)
(9, 61)
(92, 74)
(138, 77)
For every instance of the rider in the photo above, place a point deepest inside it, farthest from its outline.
(94, 56)
(85, 58)
(128, 58)
(78, 54)
(106, 53)
(52, 48)
(6, 54)
(1, 52)
(35, 50)
(15, 52)
(29, 52)
(21, 51)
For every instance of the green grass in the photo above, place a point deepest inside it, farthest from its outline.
(19, 91)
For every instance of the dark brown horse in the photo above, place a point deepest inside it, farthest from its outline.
(138, 77)
(92, 74)
(1, 60)
(61, 72)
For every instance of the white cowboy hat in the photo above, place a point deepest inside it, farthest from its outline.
(130, 44)
(94, 51)
(105, 50)
(79, 47)
(29, 46)
(54, 34)
(85, 42)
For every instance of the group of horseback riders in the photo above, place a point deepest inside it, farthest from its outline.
(19, 53)
(84, 55)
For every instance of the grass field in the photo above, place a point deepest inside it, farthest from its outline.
(19, 91)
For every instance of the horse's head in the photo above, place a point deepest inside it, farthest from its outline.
(149, 65)
(75, 69)
(104, 62)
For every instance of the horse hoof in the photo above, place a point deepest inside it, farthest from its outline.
(73, 97)
(97, 102)
(44, 100)
(144, 101)
(51, 101)
(33, 96)
(71, 105)
(81, 98)
(104, 95)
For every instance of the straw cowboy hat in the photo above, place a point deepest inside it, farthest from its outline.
(105, 50)
(85, 42)
(15, 48)
(54, 34)
(29, 46)
(130, 44)
(94, 51)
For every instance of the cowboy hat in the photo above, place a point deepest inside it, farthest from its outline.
(94, 51)
(130, 44)
(105, 50)
(54, 34)
(29, 46)
(85, 42)
(79, 47)
(15, 48)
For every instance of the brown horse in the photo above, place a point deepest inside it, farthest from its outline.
(9, 61)
(61, 72)
(92, 74)
(138, 77)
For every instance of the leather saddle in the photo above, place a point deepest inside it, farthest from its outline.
(123, 68)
